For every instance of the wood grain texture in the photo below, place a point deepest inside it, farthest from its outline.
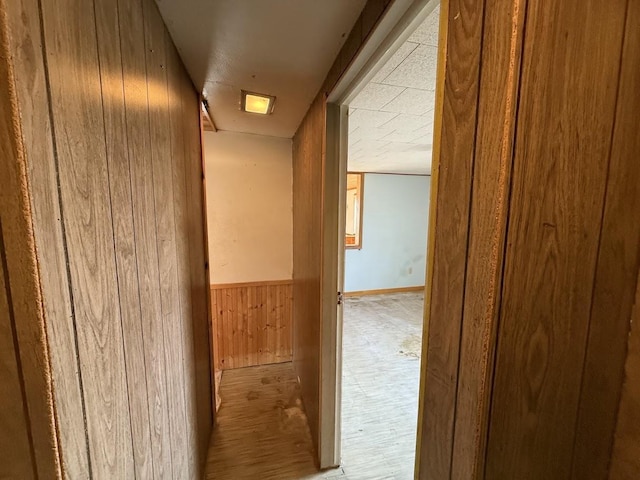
(252, 323)
(126, 142)
(31, 88)
(262, 431)
(499, 80)
(625, 459)
(453, 197)
(308, 151)
(443, 33)
(165, 234)
(28, 437)
(16, 454)
(76, 107)
(571, 60)
(616, 273)
(136, 108)
(180, 155)
(116, 135)
(197, 264)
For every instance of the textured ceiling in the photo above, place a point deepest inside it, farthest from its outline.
(276, 47)
(391, 119)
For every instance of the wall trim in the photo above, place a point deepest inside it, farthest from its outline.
(384, 291)
(261, 283)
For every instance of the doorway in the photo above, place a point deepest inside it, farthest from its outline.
(379, 127)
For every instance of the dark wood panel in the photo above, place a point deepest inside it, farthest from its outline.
(37, 142)
(565, 118)
(616, 273)
(252, 323)
(454, 164)
(501, 54)
(76, 109)
(625, 459)
(308, 148)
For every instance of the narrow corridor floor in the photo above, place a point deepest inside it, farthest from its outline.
(262, 432)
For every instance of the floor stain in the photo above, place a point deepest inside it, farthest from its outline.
(411, 346)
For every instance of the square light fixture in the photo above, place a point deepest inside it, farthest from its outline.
(256, 103)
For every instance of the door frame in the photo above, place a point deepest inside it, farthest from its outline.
(403, 17)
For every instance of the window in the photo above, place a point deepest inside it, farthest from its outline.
(353, 230)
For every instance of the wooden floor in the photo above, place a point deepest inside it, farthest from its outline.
(262, 431)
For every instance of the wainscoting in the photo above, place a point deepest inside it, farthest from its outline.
(252, 323)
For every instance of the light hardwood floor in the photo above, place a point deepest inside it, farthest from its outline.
(262, 431)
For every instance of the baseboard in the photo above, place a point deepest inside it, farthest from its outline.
(383, 291)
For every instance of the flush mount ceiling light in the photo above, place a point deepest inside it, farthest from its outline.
(256, 103)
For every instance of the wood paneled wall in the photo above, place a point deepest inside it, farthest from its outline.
(308, 159)
(535, 250)
(252, 323)
(111, 135)
(28, 440)
(309, 146)
(625, 459)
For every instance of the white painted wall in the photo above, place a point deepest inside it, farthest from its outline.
(394, 234)
(249, 207)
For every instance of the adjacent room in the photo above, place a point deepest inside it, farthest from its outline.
(387, 211)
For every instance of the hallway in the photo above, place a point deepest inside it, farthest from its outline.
(262, 431)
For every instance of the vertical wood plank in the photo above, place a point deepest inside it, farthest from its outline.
(625, 458)
(499, 81)
(215, 308)
(29, 353)
(136, 96)
(561, 156)
(179, 167)
(162, 183)
(221, 330)
(289, 323)
(16, 455)
(227, 333)
(246, 340)
(278, 324)
(230, 328)
(259, 329)
(108, 35)
(77, 114)
(308, 147)
(27, 50)
(269, 332)
(199, 282)
(461, 84)
(616, 272)
(241, 336)
(252, 323)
